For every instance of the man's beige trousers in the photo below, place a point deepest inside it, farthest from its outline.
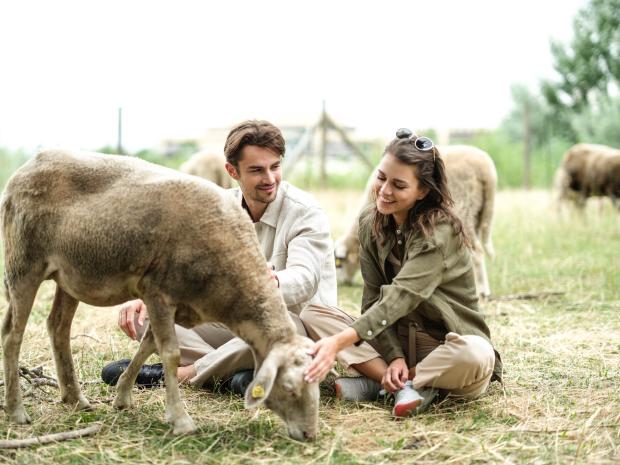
(217, 353)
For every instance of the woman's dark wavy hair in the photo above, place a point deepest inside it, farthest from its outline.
(435, 207)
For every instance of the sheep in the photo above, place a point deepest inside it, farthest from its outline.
(347, 247)
(108, 229)
(210, 166)
(472, 180)
(589, 170)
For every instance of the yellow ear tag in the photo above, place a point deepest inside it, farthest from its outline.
(258, 391)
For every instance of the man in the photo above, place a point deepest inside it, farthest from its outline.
(294, 235)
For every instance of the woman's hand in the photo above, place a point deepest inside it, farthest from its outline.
(325, 351)
(126, 316)
(396, 375)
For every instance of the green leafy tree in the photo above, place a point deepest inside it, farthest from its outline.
(529, 118)
(599, 123)
(589, 67)
(528, 124)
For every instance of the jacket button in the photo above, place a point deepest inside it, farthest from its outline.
(384, 322)
(400, 242)
(369, 333)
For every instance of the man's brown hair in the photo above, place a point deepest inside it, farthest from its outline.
(252, 132)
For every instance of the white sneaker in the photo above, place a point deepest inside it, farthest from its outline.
(360, 389)
(408, 401)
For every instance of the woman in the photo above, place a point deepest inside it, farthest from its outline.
(419, 299)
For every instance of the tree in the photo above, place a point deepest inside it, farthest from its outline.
(527, 123)
(599, 123)
(589, 68)
(530, 107)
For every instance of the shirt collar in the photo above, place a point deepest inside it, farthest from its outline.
(270, 216)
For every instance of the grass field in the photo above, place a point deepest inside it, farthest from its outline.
(559, 404)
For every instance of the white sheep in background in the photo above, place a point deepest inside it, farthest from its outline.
(472, 180)
(209, 166)
(109, 229)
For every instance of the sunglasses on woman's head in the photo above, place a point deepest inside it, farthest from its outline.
(423, 144)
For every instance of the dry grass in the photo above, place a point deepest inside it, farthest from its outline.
(559, 403)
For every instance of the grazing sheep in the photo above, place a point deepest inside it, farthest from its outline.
(589, 170)
(472, 180)
(210, 166)
(109, 229)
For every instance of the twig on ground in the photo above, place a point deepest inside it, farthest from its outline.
(91, 381)
(564, 430)
(36, 382)
(527, 295)
(86, 335)
(105, 400)
(33, 373)
(36, 378)
(48, 438)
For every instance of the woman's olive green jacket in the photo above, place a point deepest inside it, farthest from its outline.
(435, 288)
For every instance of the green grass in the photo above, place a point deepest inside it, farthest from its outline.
(559, 404)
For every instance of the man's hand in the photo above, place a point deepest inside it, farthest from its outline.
(126, 316)
(395, 375)
(272, 271)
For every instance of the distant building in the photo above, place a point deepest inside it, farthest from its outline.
(464, 135)
(213, 140)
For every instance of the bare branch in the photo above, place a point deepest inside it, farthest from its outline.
(48, 438)
(86, 335)
(528, 295)
(37, 382)
(34, 373)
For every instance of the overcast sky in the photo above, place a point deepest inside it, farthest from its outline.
(178, 68)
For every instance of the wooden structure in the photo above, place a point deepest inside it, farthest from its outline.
(325, 124)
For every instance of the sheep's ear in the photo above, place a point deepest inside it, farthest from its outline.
(260, 388)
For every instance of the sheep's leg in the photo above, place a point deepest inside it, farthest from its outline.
(128, 378)
(486, 241)
(59, 331)
(480, 271)
(20, 297)
(580, 201)
(162, 325)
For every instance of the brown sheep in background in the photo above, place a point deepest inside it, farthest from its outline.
(472, 180)
(209, 166)
(589, 170)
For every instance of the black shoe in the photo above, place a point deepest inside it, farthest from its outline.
(148, 376)
(240, 381)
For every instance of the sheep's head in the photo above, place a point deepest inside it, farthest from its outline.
(279, 384)
(347, 262)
